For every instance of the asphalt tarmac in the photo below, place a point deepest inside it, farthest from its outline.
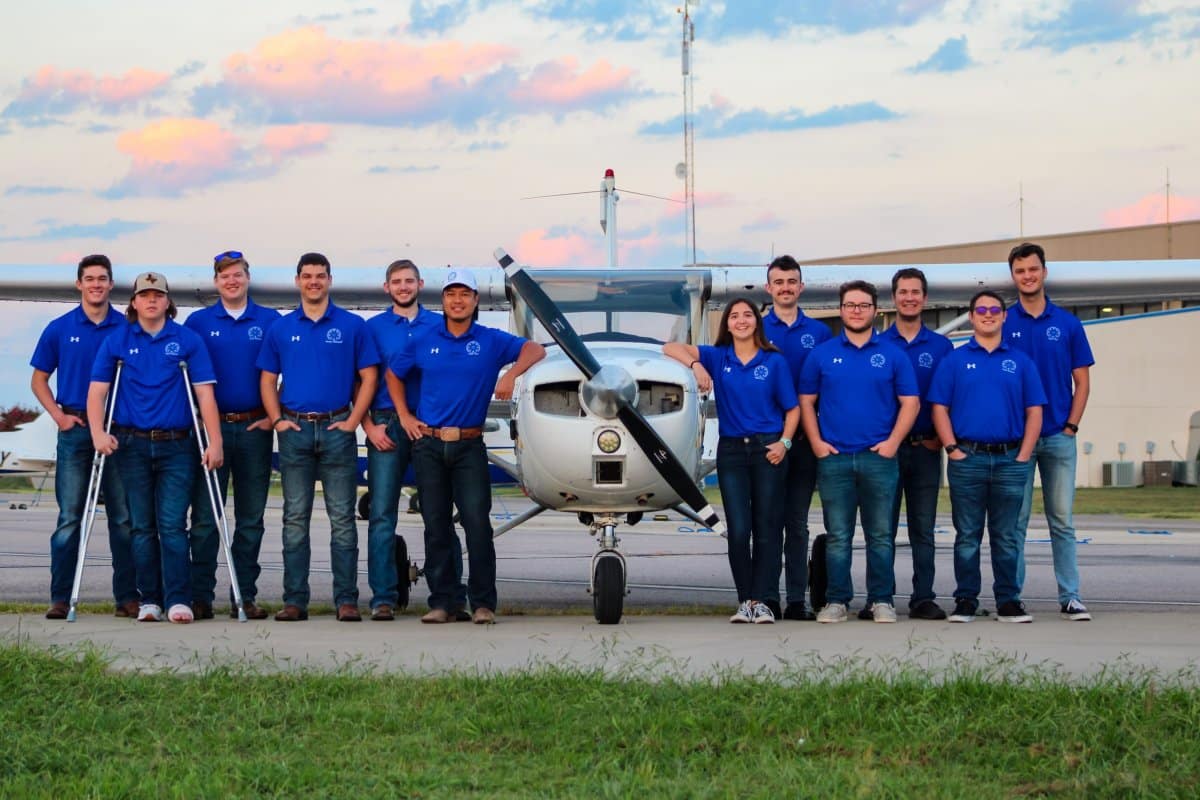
(1139, 579)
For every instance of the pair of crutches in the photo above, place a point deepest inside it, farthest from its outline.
(210, 481)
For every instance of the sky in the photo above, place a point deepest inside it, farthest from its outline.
(162, 133)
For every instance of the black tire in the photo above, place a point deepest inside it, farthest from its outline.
(818, 578)
(608, 590)
(404, 572)
(364, 506)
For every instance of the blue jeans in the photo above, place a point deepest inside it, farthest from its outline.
(850, 483)
(159, 476)
(248, 461)
(798, 490)
(990, 486)
(456, 474)
(305, 456)
(1055, 459)
(920, 479)
(751, 492)
(73, 471)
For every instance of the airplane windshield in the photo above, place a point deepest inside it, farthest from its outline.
(608, 305)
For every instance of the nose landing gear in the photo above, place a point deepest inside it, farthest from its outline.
(608, 586)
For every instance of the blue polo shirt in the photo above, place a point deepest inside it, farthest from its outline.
(320, 360)
(1057, 344)
(69, 345)
(233, 345)
(151, 394)
(857, 389)
(751, 398)
(391, 331)
(987, 393)
(458, 373)
(797, 340)
(925, 351)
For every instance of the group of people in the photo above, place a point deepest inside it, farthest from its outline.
(418, 382)
(863, 418)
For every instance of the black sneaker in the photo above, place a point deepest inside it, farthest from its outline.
(1075, 611)
(1013, 611)
(926, 609)
(774, 606)
(964, 610)
(867, 612)
(798, 612)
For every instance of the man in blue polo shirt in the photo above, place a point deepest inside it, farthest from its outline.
(1054, 338)
(920, 456)
(858, 400)
(786, 327)
(152, 439)
(458, 363)
(987, 407)
(319, 350)
(233, 330)
(68, 346)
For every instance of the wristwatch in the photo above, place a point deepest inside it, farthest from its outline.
(1072, 427)
(787, 443)
(952, 447)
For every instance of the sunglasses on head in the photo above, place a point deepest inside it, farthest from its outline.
(995, 311)
(230, 254)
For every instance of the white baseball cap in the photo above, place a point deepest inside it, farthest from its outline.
(460, 277)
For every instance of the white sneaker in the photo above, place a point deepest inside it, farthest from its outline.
(884, 612)
(832, 612)
(180, 613)
(1075, 611)
(149, 612)
(743, 614)
(762, 614)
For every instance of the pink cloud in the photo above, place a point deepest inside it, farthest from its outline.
(52, 90)
(1151, 210)
(293, 140)
(703, 200)
(766, 221)
(307, 74)
(541, 248)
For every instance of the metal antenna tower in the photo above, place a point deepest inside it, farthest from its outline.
(689, 153)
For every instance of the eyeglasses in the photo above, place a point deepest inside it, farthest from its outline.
(230, 254)
(995, 311)
(857, 306)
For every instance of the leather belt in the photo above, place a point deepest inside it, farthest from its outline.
(244, 416)
(315, 416)
(451, 434)
(75, 412)
(919, 438)
(154, 434)
(995, 448)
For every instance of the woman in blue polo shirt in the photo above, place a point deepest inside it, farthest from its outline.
(151, 442)
(758, 413)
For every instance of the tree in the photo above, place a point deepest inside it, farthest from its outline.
(16, 416)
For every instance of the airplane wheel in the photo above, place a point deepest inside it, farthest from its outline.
(818, 578)
(364, 506)
(608, 590)
(403, 572)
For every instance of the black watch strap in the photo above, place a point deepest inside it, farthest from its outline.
(952, 447)
(1072, 427)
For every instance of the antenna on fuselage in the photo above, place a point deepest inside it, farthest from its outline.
(608, 215)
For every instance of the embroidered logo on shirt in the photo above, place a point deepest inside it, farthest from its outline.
(295, 338)
(1053, 333)
(1016, 334)
(214, 333)
(473, 348)
(970, 365)
(433, 351)
(1008, 365)
(255, 334)
(73, 339)
(172, 348)
(925, 360)
(761, 372)
(133, 351)
(878, 360)
(837, 360)
(333, 336)
(807, 341)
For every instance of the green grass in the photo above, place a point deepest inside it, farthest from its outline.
(70, 727)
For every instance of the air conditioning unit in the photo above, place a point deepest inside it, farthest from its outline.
(1118, 473)
(1157, 473)
(1184, 473)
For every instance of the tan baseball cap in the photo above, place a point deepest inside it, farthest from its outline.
(148, 281)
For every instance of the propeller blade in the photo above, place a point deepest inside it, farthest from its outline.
(647, 438)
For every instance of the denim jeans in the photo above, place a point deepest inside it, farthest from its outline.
(305, 456)
(1055, 459)
(751, 492)
(158, 477)
(990, 486)
(248, 462)
(798, 489)
(850, 483)
(920, 479)
(455, 474)
(73, 471)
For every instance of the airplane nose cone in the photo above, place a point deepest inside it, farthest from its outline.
(604, 394)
